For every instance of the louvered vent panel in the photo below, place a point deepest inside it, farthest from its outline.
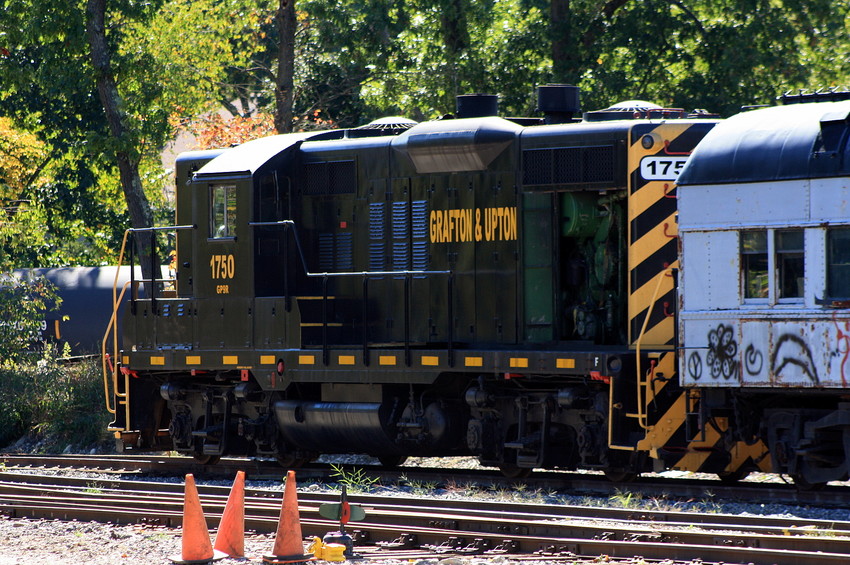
(342, 177)
(328, 178)
(419, 219)
(377, 237)
(326, 252)
(315, 178)
(344, 252)
(567, 165)
(401, 236)
(599, 164)
(537, 166)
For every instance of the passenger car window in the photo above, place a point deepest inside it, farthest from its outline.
(838, 263)
(789, 263)
(754, 263)
(222, 211)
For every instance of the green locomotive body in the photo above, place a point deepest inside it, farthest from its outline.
(473, 286)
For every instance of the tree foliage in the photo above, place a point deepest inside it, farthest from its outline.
(23, 303)
(177, 63)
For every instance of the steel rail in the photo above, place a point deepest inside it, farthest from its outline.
(554, 481)
(469, 531)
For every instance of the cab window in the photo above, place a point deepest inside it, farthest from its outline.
(222, 211)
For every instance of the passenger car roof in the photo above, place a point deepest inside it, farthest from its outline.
(778, 143)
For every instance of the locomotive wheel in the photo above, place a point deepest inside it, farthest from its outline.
(514, 472)
(802, 484)
(205, 459)
(732, 477)
(289, 461)
(392, 461)
(620, 475)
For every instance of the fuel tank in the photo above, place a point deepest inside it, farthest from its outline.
(336, 427)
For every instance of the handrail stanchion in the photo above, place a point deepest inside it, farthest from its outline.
(407, 320)
(450, 345)
(325, 352)
(366, 320)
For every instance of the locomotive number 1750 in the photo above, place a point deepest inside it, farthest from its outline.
(662, 168)
(222, 267)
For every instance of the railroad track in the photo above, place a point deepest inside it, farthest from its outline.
(401, 527)
(574, 483)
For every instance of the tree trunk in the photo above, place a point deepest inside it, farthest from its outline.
(283, 92)
(564, 51)
(573, 43)
(113, 106)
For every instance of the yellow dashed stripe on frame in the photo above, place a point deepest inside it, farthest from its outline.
(519, 363)
(306, 359)
(474, 361)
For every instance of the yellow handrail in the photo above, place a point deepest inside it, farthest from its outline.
(113, 327)
(109, 328)
(641, 413)
(642, 416)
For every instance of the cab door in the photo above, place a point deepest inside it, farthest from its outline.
(223, 279)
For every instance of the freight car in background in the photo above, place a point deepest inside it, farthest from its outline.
(502, 288)
(77, 327)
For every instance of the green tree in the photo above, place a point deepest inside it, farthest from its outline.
(43, 90)
(23, 303)
(103, 90)
(714, 54)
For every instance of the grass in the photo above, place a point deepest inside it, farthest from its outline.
(625, 499)
(355, 480)
(94, 488)
(60, 404)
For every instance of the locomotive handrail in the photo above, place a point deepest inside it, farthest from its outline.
(642, 416)
(642, 383)
(112, 325)
(366, 274)
(105, 356)
(153, 280)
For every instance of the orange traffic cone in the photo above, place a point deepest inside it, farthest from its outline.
(196, 537)
(288, 544)
(231, 530)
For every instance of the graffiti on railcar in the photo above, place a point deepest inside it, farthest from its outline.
(722, 353)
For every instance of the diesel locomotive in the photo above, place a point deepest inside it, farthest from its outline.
(505, 288)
